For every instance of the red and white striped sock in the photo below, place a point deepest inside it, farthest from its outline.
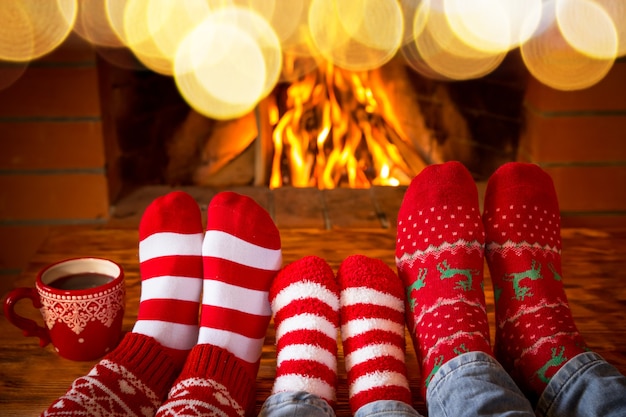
(305, 302)
(372, 331)
(170, 255)
(241, 254)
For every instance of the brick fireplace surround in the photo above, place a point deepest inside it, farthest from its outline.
(55, 145)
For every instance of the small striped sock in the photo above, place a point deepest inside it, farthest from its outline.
(241, 254)
(305, 302)
(170, 249)
(372, 330)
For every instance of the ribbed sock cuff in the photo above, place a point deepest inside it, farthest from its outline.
(215, 363)
(148, 360)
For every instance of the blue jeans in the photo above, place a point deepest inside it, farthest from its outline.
(474, 384)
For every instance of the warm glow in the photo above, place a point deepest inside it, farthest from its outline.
(555, 62)
(567, 44)
(141, 37)
(170, 22)
(284, 16)
(617, 12)
(358, 35)
(30, 29)
(242, 68)
(482, 24)
(601, 41)
(333, 134)
(115, 15)
(94, 26)
(440, 51)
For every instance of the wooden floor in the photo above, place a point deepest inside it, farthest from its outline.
(333, 226)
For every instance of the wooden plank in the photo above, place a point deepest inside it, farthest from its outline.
(299, 208)
(594, 263)
(18, 244)
(63, 197)
(49, 145)
(387, 201)
(352, 208)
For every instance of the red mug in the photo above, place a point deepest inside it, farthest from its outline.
(82, 302)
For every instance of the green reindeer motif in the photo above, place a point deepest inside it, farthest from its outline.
(447, 272)
(438, 363)
(461, 349)
(516, 277)
(556, 275)
(418, 284)
(555, 360)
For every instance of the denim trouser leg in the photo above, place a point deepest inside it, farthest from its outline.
(585, 386)
(387, 408)
(475, 384)
(295, 404)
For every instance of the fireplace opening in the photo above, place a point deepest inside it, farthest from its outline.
(329, 128)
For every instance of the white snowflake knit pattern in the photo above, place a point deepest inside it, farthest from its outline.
(216, 398)
(94, 398)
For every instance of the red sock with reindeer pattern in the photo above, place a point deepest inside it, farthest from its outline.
(535, 331)
(439, 255)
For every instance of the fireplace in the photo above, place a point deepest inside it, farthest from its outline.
(395, 122)
(80, 134)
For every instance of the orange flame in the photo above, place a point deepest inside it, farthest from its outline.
(332, 133)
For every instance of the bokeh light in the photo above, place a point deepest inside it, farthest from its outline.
(554, 61)
(93, 25)
(446, 52)
(226, 55)
(481, 24)
(617, 12)
(598, 39)
(30, 29)
(141, 36)
(242, 67)
(356, 35)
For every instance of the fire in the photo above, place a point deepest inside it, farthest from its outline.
(332, 133)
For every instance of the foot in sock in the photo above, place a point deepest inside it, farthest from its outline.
(241, 255)
(439, 255)
(305, 303)
(135, 377)
(170, 255)
(535, 331)
(372, 331)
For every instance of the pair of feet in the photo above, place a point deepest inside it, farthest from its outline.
(366, 301)
(442, 244)
(204, 293)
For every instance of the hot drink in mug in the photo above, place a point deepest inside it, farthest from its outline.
(82, 302)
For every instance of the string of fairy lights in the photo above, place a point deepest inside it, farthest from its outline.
(227, 55)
